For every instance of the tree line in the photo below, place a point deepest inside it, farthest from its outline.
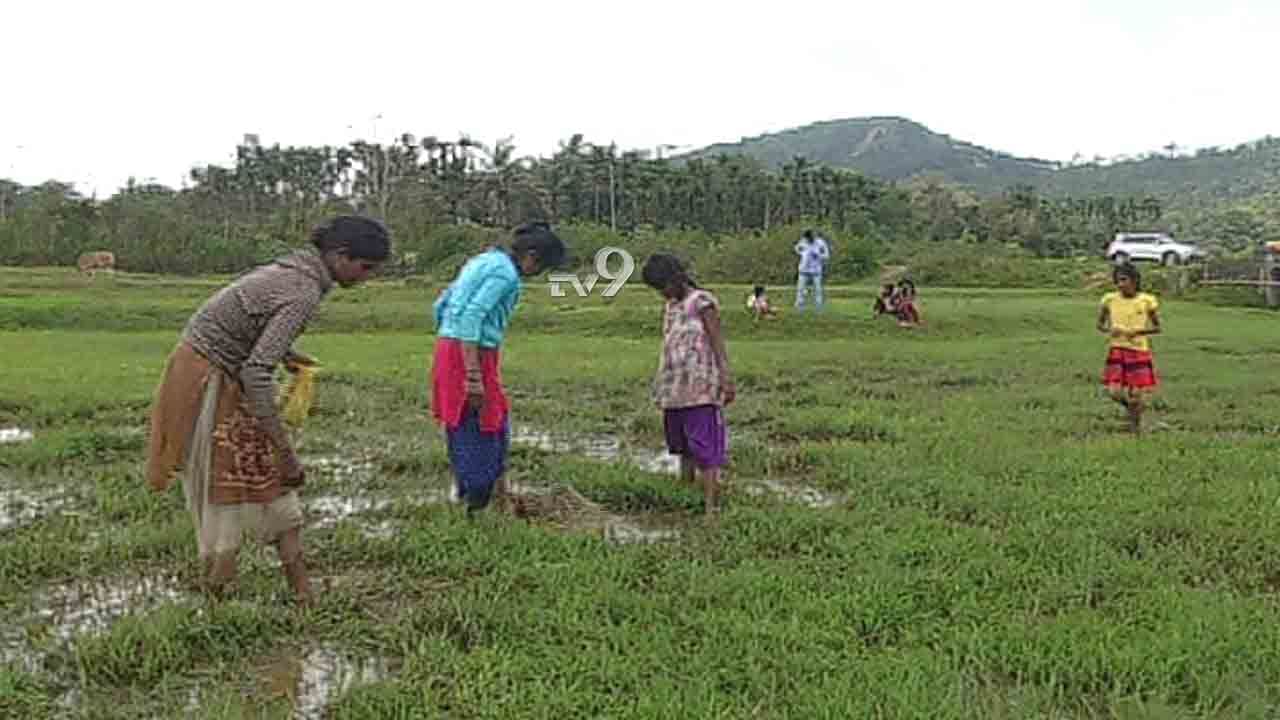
(444, 198)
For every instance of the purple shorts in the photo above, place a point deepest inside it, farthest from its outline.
(699, 432)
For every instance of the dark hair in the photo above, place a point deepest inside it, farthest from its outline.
(759, 290)
(357, 237)
(1127, 270)
(808, 234)
(537, 237)
(661, 269)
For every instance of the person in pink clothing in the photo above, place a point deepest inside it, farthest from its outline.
(693, 382)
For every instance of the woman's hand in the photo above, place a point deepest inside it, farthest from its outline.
(296, 360)
(729, 389)
(291, 470)
(475, 393)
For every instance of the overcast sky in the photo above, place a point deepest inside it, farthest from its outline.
(98, 91)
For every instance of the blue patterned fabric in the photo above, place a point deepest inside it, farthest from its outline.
(478, 458)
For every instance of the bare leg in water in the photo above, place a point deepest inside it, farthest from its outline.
(289, 548)
(221, 572)
(711, 490)
(687, 469)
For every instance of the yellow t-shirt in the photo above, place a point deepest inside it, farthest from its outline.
(1130, 314)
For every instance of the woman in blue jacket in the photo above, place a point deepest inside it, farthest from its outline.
(471, 318)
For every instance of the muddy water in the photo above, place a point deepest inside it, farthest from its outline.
(329, 510)
(622, 531)
(326, 511)
(339, 467)
(66, 612)
(92, 606)
(597, 447)
(609, 448)
(315, 679)
(332, 509)
(549, 504)
(19, 505)
(791, 492)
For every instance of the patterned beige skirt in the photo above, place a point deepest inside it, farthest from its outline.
(202, 432)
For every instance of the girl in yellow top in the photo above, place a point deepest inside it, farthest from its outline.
(1129, 316)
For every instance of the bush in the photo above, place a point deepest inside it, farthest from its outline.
(758, 257)
(956, 264)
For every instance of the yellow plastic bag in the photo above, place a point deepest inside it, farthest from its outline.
(295, 399)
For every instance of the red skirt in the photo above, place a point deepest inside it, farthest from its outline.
(1130, 369)
(449, 387)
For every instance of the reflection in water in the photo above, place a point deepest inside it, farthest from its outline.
(316, 679)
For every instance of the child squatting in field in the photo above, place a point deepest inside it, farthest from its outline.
(214, 415)
(1129, 316)
(899, 301)
(693, 381)
(758, 304)
(467, 396)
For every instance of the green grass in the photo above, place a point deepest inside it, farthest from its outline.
(997, 548)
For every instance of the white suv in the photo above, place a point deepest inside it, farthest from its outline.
(1158, 247)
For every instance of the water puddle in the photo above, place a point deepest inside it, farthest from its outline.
(335, 508)
(81, 608)
(610, 449)
(803, 494)
(329, 510)
(91, 607)
(597, 447)
(19, 506)
(15, 435)
(621, 531)
(314, 680)
(339, 467)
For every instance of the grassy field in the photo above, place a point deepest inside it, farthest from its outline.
(941, 523)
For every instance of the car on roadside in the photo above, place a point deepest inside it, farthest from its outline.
(1153, 246)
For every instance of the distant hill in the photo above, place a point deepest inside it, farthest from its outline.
(890, 148)
(895, 148)
(1208, 176)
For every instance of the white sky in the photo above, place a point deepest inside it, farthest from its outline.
(97, 91)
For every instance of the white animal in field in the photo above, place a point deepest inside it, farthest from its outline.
(91, 262)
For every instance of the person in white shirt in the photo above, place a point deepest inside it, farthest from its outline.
(814, 253)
